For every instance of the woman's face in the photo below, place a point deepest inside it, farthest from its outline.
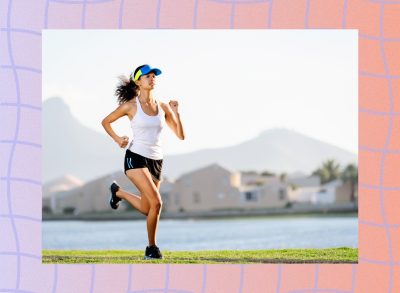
(147, 81)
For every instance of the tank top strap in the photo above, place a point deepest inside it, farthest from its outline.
(159, 107)
(138, 106)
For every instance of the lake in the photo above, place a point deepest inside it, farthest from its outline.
(215, 234)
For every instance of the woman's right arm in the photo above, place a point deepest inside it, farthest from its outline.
(121, 111)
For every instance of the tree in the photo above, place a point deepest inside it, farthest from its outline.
(329, 171)
(267, 173)
(283, 177)
(350, 174)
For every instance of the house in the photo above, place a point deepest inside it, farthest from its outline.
(302, 188)
(252, 178)
(327, 193)
(209, 188)
(303, 180)
(91, 197)
(302, 194)
(343, 193)
(269, 195)
(333, 192)
(217, 188)
(57, 186)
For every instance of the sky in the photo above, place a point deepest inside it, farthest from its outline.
(231, 84)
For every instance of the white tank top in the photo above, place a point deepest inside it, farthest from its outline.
(147, 133)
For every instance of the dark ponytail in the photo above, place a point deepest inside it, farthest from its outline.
(127, 89)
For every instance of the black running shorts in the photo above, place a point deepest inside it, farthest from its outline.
(135, 161)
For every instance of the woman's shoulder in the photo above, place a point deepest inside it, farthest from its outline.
(127, 108)
(129, 105)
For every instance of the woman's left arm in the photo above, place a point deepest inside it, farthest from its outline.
(173, 119)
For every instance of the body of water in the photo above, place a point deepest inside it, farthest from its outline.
(221, 234)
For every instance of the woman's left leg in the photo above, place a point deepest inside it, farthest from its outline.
(139, 202)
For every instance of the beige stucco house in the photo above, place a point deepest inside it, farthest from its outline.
(57, 187)
(91, 197)
(334, 192)
(343, 193)
(217, 188)
(210, 188)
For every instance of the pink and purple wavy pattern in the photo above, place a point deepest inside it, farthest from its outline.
(22, 22)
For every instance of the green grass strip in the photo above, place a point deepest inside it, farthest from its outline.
(329, 255)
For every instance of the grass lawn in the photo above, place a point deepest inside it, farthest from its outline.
(329, 255)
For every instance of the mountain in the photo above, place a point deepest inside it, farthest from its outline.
(277, 150)
(69, 147)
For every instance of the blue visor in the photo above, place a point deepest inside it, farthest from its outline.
(146, 69)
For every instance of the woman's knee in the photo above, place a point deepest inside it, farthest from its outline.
(156, 203)
(146, 212)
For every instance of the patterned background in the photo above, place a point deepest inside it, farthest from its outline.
(21, 23)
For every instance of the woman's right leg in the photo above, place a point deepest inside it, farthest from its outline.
(142, 179)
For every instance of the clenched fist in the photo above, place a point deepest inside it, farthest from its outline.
(122, 141)
(174, 106)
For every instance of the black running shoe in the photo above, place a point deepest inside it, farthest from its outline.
(114, 200)
(153, 252)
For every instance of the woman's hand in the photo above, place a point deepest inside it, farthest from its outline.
(122, 141)
(173, 119)
(174, 106)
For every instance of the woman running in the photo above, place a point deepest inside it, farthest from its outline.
(144, 156)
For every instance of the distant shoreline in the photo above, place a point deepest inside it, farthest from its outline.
(343, 210)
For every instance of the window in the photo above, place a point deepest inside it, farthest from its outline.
(69, 210)
(282, 194)
(250, 196)
(196, 197)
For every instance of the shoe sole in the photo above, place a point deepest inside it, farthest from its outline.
(117, 204)
(151, 258)
(111, 205)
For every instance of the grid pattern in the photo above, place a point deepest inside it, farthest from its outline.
(21, 24)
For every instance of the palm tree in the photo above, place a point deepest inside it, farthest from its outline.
(329, 171)
(267, 173)
(350, 174)
(283, 177)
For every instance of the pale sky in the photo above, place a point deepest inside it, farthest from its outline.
(231, 84)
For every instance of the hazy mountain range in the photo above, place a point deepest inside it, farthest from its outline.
(69, 147)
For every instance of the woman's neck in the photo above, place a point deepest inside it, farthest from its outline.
(146, 97)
